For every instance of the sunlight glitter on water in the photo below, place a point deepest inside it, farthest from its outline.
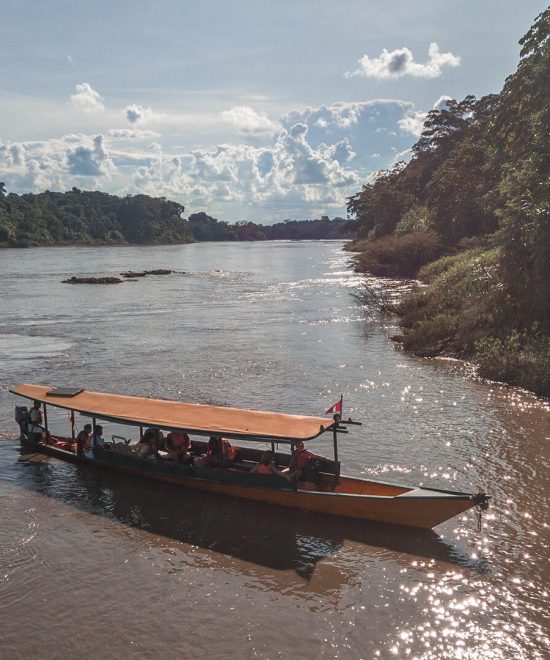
(22, 347)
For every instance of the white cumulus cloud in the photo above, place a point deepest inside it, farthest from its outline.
(248, 120)
(318, 157)
(137, 115)
(87, 99)
(89, 159)
(131, 134)
(413, 121)
(56, 164)
(400, 62)
(288, 174)
(308, 161)
(442, 103)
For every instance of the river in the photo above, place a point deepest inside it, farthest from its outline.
(95, 564)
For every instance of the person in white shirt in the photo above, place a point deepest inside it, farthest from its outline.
(35, 422)
(96, 442)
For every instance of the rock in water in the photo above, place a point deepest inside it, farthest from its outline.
(93, 280)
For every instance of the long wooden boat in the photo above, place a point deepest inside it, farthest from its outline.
(334, 494)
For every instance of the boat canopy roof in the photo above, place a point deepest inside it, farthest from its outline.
(190, 417)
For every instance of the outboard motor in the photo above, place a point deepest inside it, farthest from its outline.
(22, 418)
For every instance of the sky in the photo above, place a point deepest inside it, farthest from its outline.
(248, 110)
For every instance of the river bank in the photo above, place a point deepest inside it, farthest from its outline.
(461, 309)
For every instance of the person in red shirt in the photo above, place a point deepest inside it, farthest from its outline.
(178, 445)
(304, 467)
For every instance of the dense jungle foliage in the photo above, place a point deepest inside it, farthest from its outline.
(85, 217)
(206, 228)
(79, 217)
(470, 216)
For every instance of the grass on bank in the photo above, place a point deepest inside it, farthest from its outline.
(465, 311)
(396, 255)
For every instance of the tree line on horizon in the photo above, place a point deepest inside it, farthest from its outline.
(81, 217)
(469, 215)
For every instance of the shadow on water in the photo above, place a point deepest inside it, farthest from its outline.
(260, 534)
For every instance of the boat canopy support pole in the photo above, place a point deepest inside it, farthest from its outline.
(293, 462)
(335, 442)
(46, 423)
(72, 425)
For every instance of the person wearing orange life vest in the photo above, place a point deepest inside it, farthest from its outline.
(178, 445)
(304, 466)
(83, 440)
(302, 456)
(267, 466)
(219, 452)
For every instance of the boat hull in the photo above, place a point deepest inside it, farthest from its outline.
(424, 508)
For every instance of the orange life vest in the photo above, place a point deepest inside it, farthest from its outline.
(179, 440)
(83, 441)
(302, 458)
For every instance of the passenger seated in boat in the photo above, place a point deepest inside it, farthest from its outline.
(304, 466)
(96, 441)
(219, 453)
(159, 440)
(267, 466)
(148, 445)
(83, 440)
(227, 451)
(178, 445)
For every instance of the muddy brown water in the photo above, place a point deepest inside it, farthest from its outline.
(95, 564)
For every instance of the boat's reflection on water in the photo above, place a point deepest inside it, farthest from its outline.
(260, 534)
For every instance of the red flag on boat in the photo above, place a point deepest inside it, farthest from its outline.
(337, 407)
